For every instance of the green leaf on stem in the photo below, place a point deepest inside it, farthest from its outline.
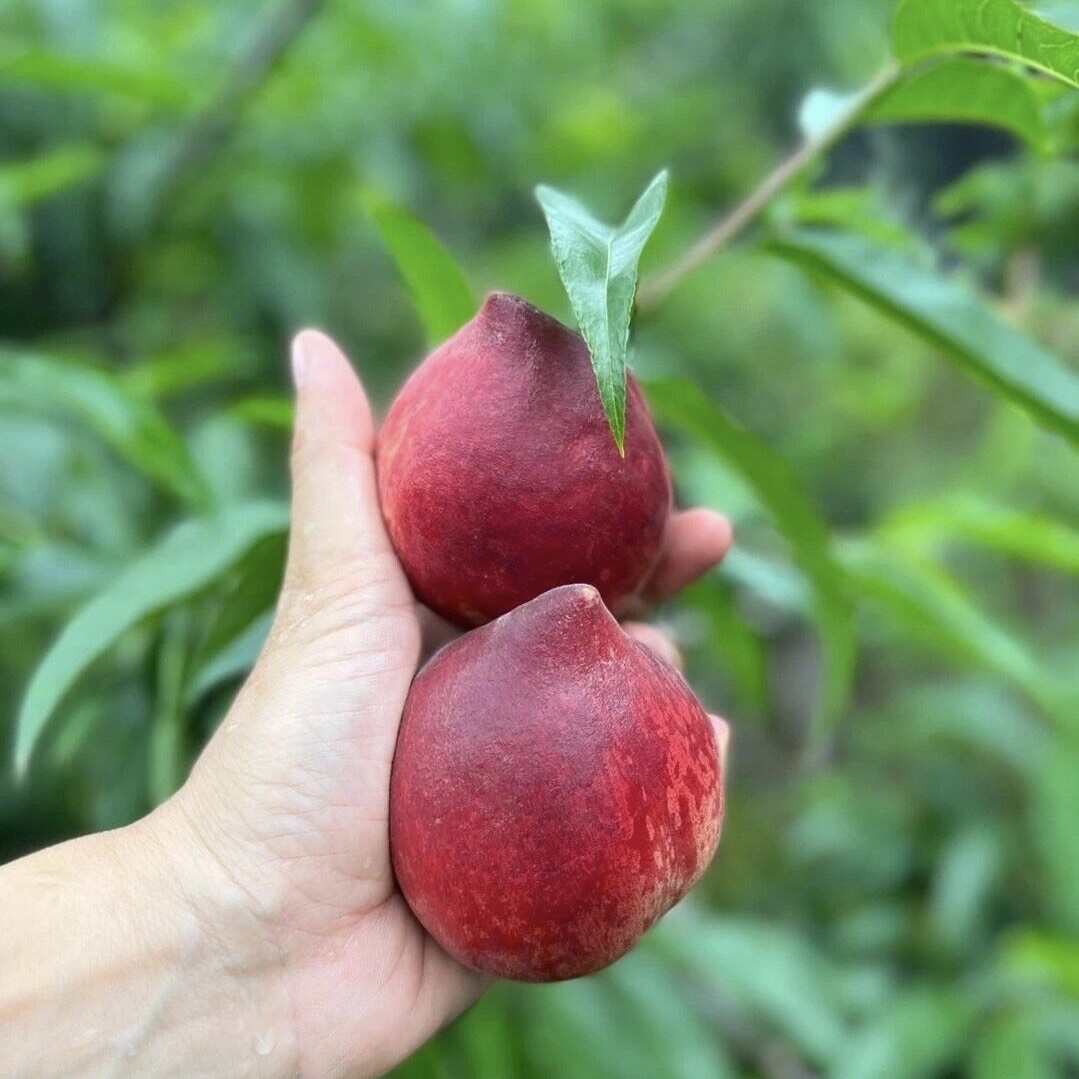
(1007, 28)
(966, 91)
(947, 315)
(598, 266)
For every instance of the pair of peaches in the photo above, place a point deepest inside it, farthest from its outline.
(556, 786)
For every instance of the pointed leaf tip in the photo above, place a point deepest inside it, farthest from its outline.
(598, 267)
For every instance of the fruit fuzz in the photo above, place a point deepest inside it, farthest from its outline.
(499, 478)
(556, 788)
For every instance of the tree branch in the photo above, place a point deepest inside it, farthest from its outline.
(655, 289)
(213, 124)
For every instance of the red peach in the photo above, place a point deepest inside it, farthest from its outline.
(556, 789)
(499, 478)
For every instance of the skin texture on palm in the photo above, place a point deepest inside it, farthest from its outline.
(251, 925)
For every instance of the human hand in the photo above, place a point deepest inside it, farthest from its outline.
(287, 809)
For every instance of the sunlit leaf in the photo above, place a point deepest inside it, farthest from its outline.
(184, 562)
(949, 316)
(685, 407)
(954, 90)
(967, 518)
(963, 90)
(856, 209)
(436, 283)
(265, 411)
(23, 183)
(129, 424)
(79, 74)
(1042, 957)
(1006, 27)
(598, 266)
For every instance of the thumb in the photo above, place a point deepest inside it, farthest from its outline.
(341, 572)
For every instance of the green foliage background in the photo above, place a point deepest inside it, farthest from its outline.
(896, 636)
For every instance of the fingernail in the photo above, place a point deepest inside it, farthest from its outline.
(299, 359)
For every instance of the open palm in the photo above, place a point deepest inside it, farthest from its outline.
(290, 801)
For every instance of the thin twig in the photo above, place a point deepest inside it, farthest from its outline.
(656, 289)
(212, 125)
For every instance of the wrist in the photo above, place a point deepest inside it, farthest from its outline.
(225, 951)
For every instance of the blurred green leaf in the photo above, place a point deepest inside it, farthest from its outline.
(781, 585)
(166, 758)
(967, 91)
(436, 283)
(250, 590)
(938, 614)
(947, 315)
(233, 660)
(1005, 27)
(974, 717)
(1054, 829)
(954, 90)
(188, 559)
(23, 183)
(226, 452)
(129, 424)
(241, 607)
(732, 641)
(1043, 958)
(80, 74)
(265, 411)
(857, 209)
(918, 1036)
(770, 971)
(485, 1036)
(968, 517)
(199, 363)
(684, 406)
(672, 1038)
(598, 267)
(1013, 1045)
(963, 882)
(575, 1029)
